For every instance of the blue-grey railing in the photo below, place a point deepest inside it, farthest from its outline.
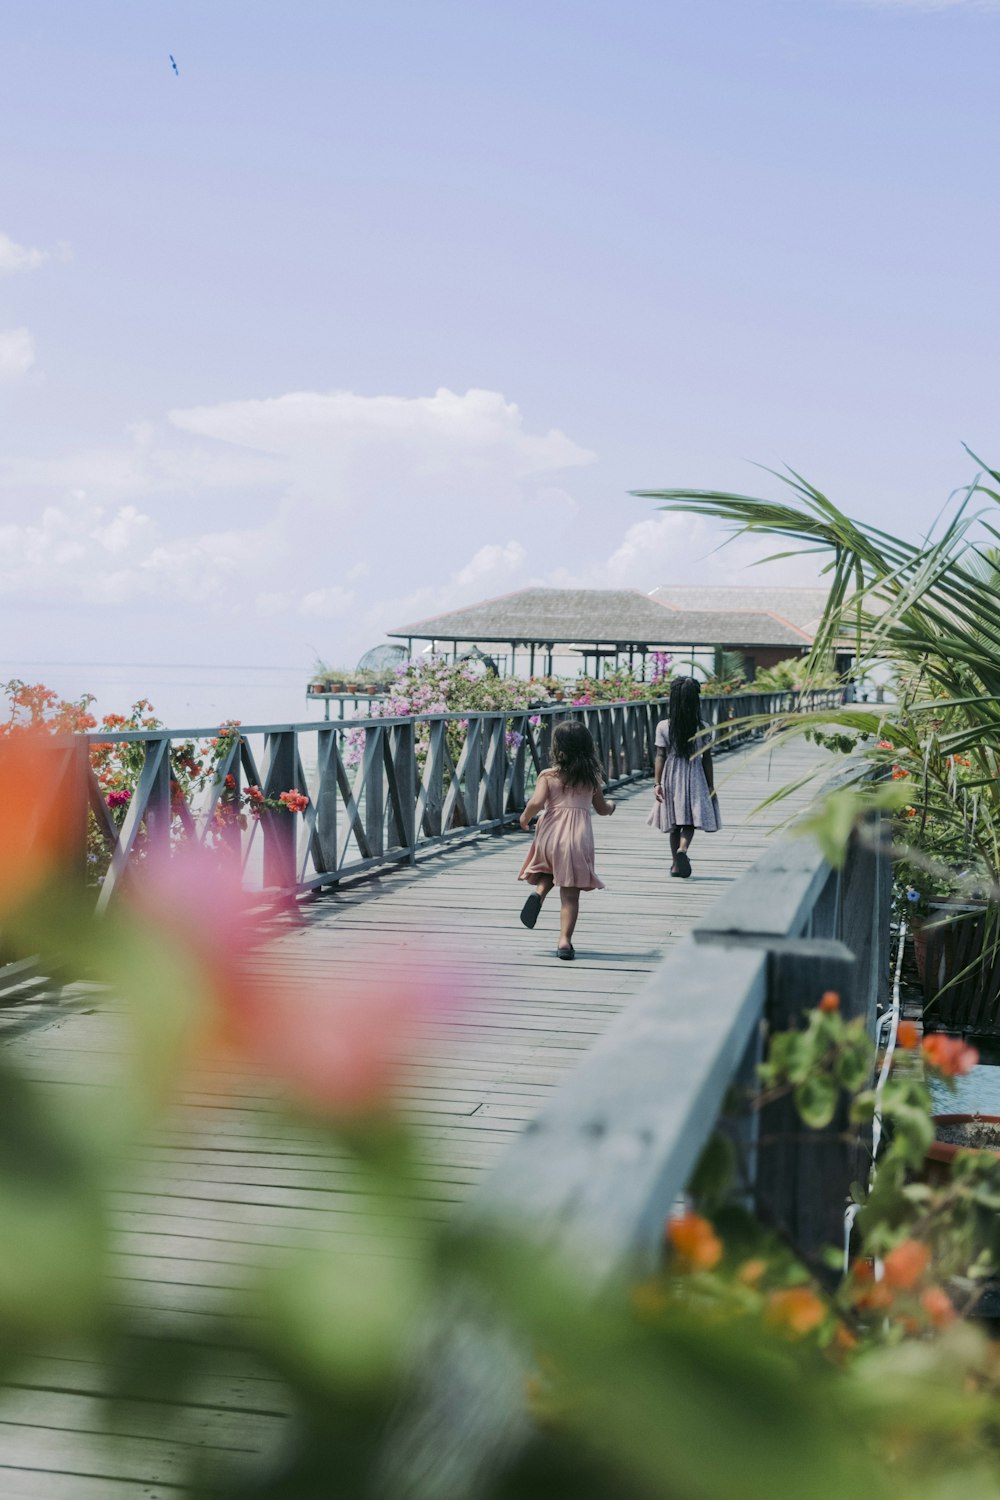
(379, 790)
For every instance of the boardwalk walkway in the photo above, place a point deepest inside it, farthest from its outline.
(224, 1184)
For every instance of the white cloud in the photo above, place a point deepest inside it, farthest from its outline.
(81, 552)
(325, 437)
(325, 497)
(492, 569)
(15, 257)
(326, 604)
(671, 547)
(17, 353)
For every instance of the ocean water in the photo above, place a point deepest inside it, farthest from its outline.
(977, 1093)
(183, 696)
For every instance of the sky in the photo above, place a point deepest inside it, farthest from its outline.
(370, 311)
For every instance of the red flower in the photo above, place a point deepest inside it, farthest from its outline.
(231, 783)
(949, 1055)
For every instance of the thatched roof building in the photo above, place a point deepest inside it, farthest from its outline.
(613, 622)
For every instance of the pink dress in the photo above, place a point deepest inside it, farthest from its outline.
(563, 845)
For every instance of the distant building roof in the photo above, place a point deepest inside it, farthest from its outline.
(604, 617)
(799, 606)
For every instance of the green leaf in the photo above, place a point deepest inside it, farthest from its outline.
(816, 1100)
(713, 1176)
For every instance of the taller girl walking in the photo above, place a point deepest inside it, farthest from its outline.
(685, 779)
(563, 850)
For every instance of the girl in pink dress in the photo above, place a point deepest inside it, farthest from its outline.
(562, 853)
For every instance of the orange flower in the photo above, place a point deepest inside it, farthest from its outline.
(949, 1055)
(876, 1298)
(695, 1242)
(43, 811)
(830, 1002)
(886, 745)
(938, 1306)
(905, 1265)
(751, 1272)
(795, 1309)
(907, 1034)
(898, 773)
(843, 1338)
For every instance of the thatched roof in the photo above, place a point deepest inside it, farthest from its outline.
(600, 617)
(802, 607)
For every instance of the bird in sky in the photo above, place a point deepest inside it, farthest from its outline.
(174, 65)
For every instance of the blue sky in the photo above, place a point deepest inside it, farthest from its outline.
(377, 309)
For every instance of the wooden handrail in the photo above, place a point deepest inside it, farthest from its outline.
(385, 790)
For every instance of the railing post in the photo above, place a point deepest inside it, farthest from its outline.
(374, 790)
(473, 770)
(804, 1176)
(325, 838)
(402, 747)
(157, 800)
(433, 779)
(279, 828)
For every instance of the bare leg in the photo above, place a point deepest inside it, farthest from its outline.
(569, 910)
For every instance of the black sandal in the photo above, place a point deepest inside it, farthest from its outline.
(683, 864)
(530, 909)
(567, 952)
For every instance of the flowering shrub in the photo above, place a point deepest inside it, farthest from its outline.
(437, 686)
(117, 766)
(924, 1249)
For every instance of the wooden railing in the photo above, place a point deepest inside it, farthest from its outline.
(380, 790)
(608, 1156)
(596, 1175)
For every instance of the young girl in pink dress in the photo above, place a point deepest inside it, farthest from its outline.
(562, 853)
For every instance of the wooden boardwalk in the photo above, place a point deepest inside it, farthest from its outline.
(226, 1183)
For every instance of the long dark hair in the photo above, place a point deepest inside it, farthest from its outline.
(685, 715)
(574, 756)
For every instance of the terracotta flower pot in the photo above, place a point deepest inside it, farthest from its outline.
(941, 1153)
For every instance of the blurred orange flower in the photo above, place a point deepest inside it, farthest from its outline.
(830, 1002)
(795, 1309)
(938, 1306)
(43, 811)
(949, 1054)
(907, 1034)
(695, 1242)
(904, 1266)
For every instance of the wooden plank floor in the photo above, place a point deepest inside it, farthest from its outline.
(227, 1183)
